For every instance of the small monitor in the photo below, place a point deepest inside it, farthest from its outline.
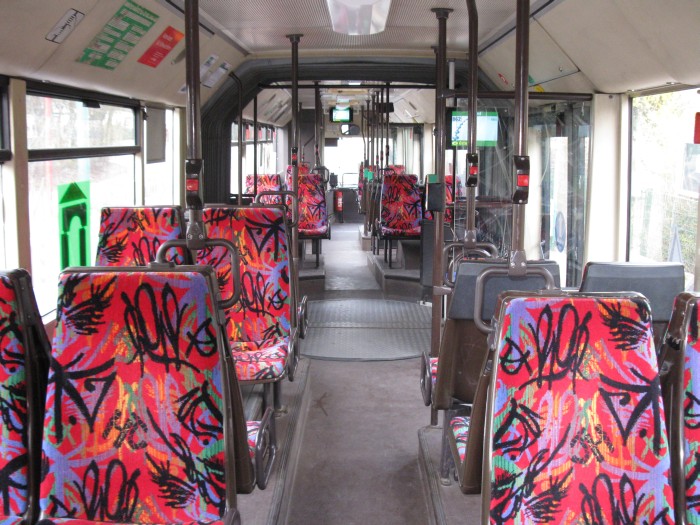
(341, 114)
(486, 128)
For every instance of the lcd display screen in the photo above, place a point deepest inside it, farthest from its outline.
(341, 114)
(486, 128)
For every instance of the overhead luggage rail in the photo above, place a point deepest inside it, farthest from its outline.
(23, 375)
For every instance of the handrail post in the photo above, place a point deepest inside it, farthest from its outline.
(294, 39)
(521, 181)
(440, 143)
(239, 119)
(472, 180)
(195, 234)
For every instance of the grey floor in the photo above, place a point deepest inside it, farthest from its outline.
(358, 459)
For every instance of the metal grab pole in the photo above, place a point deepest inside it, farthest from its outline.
(521, 182)
(386, 148)
(239, 199)
(193, 163)
(255, 144)
(440, 144)
(294, 39)
(473, 155)
(317, 127)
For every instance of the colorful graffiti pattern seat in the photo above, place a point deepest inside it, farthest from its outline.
(401, 210)
(691, 420)
(15, 488)
(450, 200)
(132, 236)
(460, 429)
(268, 182)
(135, 412)
(577, 433)
(313, 215)
(259, 324)
(690, 409)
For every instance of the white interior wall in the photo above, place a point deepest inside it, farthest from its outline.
(607, 222)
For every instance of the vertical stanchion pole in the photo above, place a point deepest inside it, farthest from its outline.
(473, 155)
(438, 216)
(193, 162)
(521, 180)
(239, 118)
(386, 148)
(317, 127)
(255, 144)
(294, 39)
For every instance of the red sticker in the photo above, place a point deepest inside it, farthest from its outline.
(163, 45)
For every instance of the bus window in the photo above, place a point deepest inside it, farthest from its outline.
(82, 158)
(161, 176)
(266, 154)
(664, 173)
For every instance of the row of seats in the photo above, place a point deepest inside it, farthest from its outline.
(133, 414)
(313, 213)
(143, 420)
(263, 326)
(567, 396)
(396, 208)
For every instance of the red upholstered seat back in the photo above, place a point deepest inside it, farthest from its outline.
(450, 197)
(401, 209)
(268, 182)
(313, 215)
(691, 416)
(14, 453)
(578, 433)
(132, 236)
(260, 233)
(134, 428)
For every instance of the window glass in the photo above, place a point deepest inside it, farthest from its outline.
(54, 123)
(665, 177)
(160, 184)
(65, 233)
(266, 153)
(4, 262)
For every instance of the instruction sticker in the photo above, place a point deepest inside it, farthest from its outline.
(203, 69)
(65, 26)
(119, 36)
(163, 45)
(213, 77)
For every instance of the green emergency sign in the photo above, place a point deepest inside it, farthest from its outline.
(74, 223)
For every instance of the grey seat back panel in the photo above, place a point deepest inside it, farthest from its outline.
(462, 303)
(660, 283)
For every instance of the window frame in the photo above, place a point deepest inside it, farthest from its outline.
(89, 97)
(5, 151)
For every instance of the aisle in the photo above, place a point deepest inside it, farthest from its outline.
(359, 459)
(358, 462)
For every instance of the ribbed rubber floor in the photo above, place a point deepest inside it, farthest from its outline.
(366, 330)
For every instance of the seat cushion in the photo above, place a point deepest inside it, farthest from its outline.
(433, 369)
(253, 429)
(460, 430)
(257, 360)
